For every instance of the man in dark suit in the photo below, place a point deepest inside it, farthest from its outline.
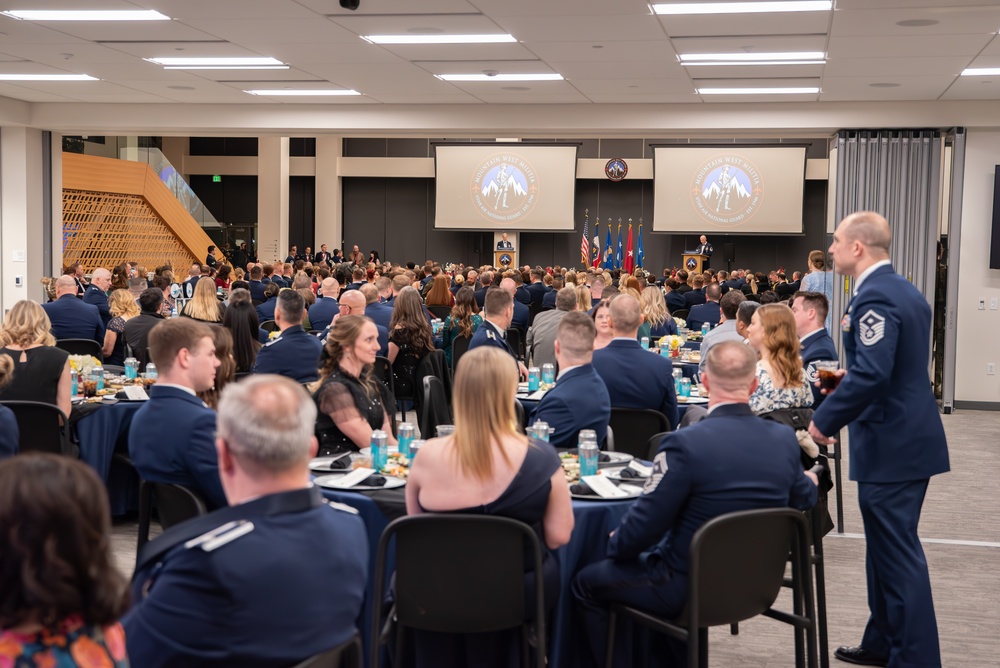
(896, 438)
(257, 285)
(504, 243)
(708, 312)
(194, 275)
(549, 300)
(326, 307)
(697, 294)
(730, 461)
(579, 399)
(210, 258)
(70, 317)
(521, 313)
(810, 309)
(293, 254)
(239, 572)
(265, 310)
(294, 353)
(480, 294)
(705, 248)
(323, 255)
(381, 313)
(636, 378)
(682, 279)
(97, 293)
(537, 289)
(357, 302)
(497, 314)
(137, 329)
(184, 355)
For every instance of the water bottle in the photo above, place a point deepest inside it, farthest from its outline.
(380, 450)
(415, 446)
(678, 374)
(685, 387)
(587, 448)
(549, 374)
(644, 342)
(540, 430)
(151, 371)
(74, 383)
(131, 368)
(97, 375)
(704, 328)
(406, 431)
(534, 378)
(173, 311)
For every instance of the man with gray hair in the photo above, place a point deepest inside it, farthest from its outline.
(294, 353)
(540, 342)
(579, 399)
(70, 317)
(231, 587)
(97, 293)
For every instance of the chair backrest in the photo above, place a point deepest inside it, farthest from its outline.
(441, 312)
(516, 341)
(345, 655)
(43, 427)
(534, 308)
(459, 346)
(435, 409)
(176, 503)
(726, 590)
(522, 417)
(382, 369)
(633, 428)
(82, 347)
(269, 326)
(654, 444)
(681, 313)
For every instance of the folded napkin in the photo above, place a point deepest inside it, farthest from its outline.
(630, 473)
(603, 457)
(581, 489)
(342, 463)
(374, 480)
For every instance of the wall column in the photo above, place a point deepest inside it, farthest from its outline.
(272, 198)
(21, 213)
(329, 193)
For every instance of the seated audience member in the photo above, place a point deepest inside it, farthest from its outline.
(204, 306)
(810, 312)
(601, 315)
(41, 371)
(256, 284)
(635, 378)
(355, 302)
(77, 272)
(294, 353)
(696, 295)
(62, 593)
(655, 313)
(358, 276)
(673, 297)
(583, 300)
(769, 297)
(97, 293)
(10, 433)
(352, 403)
(549, 300)
(439, 294)
(251, 600)
(410, 338)
(136, 286)
(241, 321)
(729, 306)
(71, 318)
(265, 310)
(222, 339)
(782, 381)
(728, 462)
(194, 276)
(137, 329)
(184, 355)
(223, 279)
(597, 289)
(326, 308)
(709, 312)
(579, 399)
(487, 283)
(521, 311)
(743, 317)
(308, 300)
(463, 321)
(497, 315)
(123, 308)
(542, 333)
(487, 467)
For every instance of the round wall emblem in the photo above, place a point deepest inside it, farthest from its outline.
(616, 169)
(505, 259)
(504, 188)
(727, 190)
(691, 264)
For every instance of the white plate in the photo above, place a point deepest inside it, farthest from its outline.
(691, 400)
(322, 464)
(616, 458)
(633, 492)
(367, 452)
(613, 473)
(330, 482)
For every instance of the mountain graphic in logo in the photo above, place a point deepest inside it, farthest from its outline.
(504, 188)
(727, 190)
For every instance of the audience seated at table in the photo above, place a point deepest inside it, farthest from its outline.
(410, 338)
(70, 317)
(600, 313)
(541, 336)
(222, 339)
(656, 315)
(204, 306)
(782, 382)
(707, 312)
(579, 399)
(62, 594)
(265, 310)
(137, 329)
(41, 371)
(283, 576)
(439, 294)
(9, 432)
(498, 311)
(241, 321)
(487, 468)
(294, 353)
(352, 403)
(123, 308)
(322, 313)
(729, 307)
(463, 321)
(172, 436)
(730, 461)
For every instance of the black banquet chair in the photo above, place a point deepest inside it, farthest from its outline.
(681, 313)
(441, 312)
(439, 586)
(382, 369)
(43, 427)
(173, 503)
(345, 655)
(434, 410)
(633, 427)
(269, 326)
(82, 347)
(459, 347)
(724, 590)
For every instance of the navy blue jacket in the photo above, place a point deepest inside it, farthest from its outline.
(675, 301)
(537, 292)
(321, 313)
(294, 354)
(95, 296)
(815, 347)
(250, 601)
(380, 313)
(709, 312)
(549, 300)
(579, 400)
(265, 311)
(383, 338)
(637, 378)
(193, 282)
(886, 397)
(10, 434)
(521, 315)
(694, 297)
(522, 295)
(257, 290)
(730, 461)
(486, 335)
(480, 296)
(172, 439)
(73, 319)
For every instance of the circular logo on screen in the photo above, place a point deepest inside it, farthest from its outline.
(616, 169)
(504, 188)
(727, 190)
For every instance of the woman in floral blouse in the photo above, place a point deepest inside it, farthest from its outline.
(782, 382)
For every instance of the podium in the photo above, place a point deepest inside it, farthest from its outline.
(694, 261)
(505, 258)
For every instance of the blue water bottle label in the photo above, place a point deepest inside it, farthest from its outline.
(534, 379)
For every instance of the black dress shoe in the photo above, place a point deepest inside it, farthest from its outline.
(860, 656)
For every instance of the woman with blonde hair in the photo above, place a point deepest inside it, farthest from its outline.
(583, 298)
(226, 373)
(656, 314)
(123, 308)
(782, 382)
(41, 371)
(204, 306)
(819, 279)
(488, 468)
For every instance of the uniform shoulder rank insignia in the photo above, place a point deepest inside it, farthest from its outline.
(490, 334)
(220, 536)
(341, 506)
(871, 328)
(273, 341)
(811, 374)
(659, 470)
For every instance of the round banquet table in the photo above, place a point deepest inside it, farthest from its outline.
(101, 432)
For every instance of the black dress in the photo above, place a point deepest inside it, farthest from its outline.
(343, 396)
(36, 378)
(117, 356)
(525, 500)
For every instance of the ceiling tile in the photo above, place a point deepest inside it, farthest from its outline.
(609, 52)
(522, 97)
(291, 74)
(410, 23)
(631, 87)
(951, 21)
(459, 52)
(974, 88)
(859, 88)
(918, 46)
(646, 69)
(63, 55)
(661, 98)
(783, 23)
(750, 99)
(186, 10)
(140, 31)
(755, 71)
(30, 95)
(863, 67)
(392, 7)
(478, 66)
(375, 79)
(310, 30)
(209, 49)
(455, 97)
(571, 28)
(358, 51)
(895, 4)
(562, 7)
(750, 44)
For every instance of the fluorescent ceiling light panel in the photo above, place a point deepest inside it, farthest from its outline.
(86, 15)
(802, 90)
(743, 7)
(500, 77)
(47, 77)
(789, 55)
(721, 63)
(301, 92)
(439, 39)
(216, 62)
(980, 71)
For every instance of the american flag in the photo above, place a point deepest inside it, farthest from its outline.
(585, 242)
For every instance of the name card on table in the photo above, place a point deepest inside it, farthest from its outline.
(353, 478)
(536, 395)
(641, 469)
(135, 393)
(604, 487)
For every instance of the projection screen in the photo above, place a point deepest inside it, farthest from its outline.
(497, 187)
(742, 190)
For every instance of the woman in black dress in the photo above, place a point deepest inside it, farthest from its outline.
(41, 371)
(351, 401)
(410, 338)
(123, 308)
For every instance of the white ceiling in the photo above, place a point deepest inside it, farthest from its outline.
(609, 51)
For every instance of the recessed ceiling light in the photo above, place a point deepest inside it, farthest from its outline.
(721, 63)
(800, 90)
(86, 15)
(439, 39)
(980, 71)
(300, 92)
(499, 77)
(917, 23)
(743, 7)
(255, 63)
(47, 77)
(698, 58)
(885, 84)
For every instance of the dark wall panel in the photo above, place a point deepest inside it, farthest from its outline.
(364, 201)
(302, 212)
(233, 200)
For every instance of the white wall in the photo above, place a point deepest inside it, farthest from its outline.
(978, 341)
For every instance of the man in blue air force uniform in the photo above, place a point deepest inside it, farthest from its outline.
(273, 579)
(896, 438)
(97, 294)
(810, 309)
(497, 315)
(294, 353)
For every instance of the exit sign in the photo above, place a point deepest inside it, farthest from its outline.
(217, 178)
